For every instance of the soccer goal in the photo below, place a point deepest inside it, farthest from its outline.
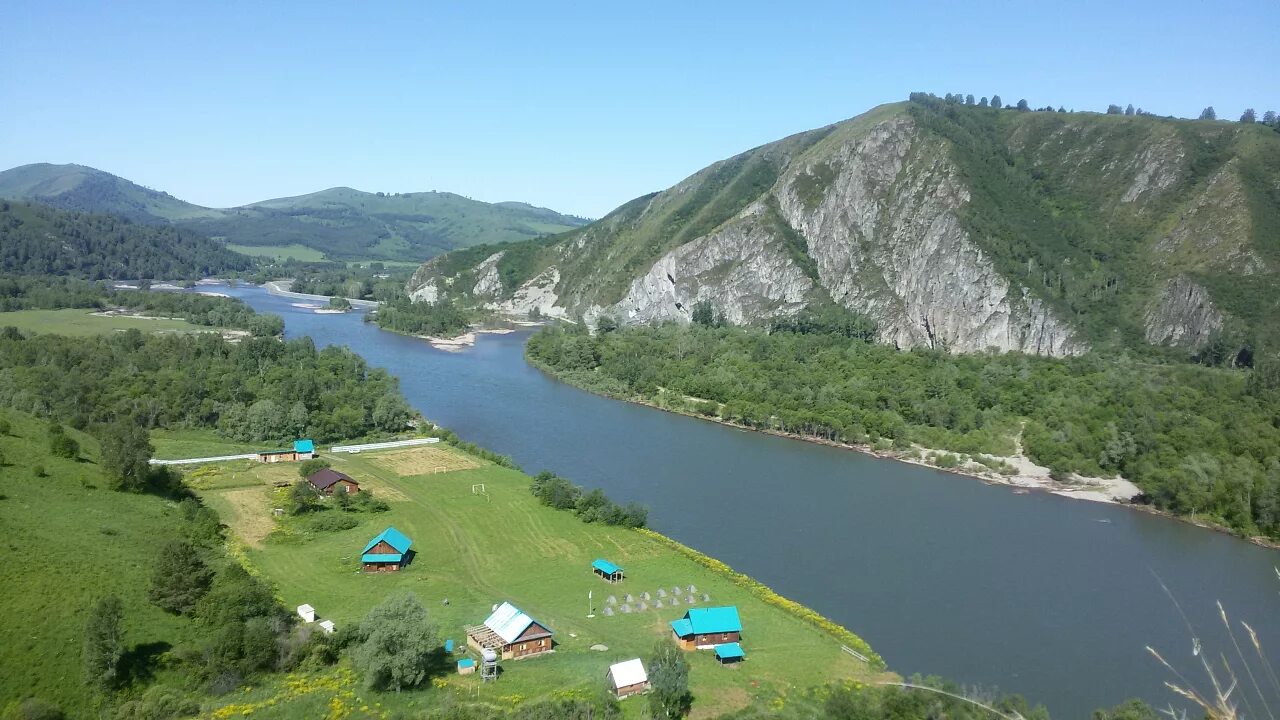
(478, 489)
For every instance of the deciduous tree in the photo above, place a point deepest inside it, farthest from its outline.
(103, 644)
(398, 642)
(1249, 116)
(126, 454)
(669, 695)
(1208, 114)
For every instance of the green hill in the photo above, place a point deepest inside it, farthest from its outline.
(41, 240)
(949, 226)
(341, 223)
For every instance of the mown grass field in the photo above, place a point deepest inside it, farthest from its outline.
(477, 550)
(80, 322)
(280, 252)
(179, 444)
(67, 542)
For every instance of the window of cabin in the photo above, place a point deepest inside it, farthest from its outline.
(524, 645)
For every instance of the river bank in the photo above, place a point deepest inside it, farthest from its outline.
(281, 288)
(1021, 474)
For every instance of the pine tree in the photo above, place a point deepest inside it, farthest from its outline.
(180, 578)
(1249, 116)
(968, 99)
(103, 644)
(669, 695)
(983, 102)
(995, 102)
(1129, 110)
(1208, 114)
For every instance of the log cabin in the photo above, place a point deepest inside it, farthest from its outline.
(388, 552)
(511, 633)
(703, 628)
(327, 481)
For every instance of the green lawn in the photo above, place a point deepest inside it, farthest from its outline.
(179, 444)
(477, 550)
(280, 252)
(77, 322)
(67, 542)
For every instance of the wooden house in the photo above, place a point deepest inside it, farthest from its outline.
(302, 450)
(327, 481)
(387, 552)
(511, 633)
(703, 628)
(607, 571)
(628, 678)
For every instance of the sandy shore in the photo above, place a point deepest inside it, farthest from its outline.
(461, 342)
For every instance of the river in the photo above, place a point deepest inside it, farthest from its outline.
(1035, 594)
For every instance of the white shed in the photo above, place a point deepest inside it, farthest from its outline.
(307, 613)
(628, 677)
(327, 626)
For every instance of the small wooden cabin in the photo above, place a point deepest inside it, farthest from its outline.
(511, 633)
(607, 571)
(703, 628)
(387, 552)
(327, 481)
(628, 678)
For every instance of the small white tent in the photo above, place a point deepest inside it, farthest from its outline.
(628, 677)
(307, 613)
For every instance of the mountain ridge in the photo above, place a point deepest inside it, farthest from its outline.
(342, 222)
(950, 226)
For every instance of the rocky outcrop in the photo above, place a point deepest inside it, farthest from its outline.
(1215, 229)
(538, 294)
(888, 244)
(1183, 315)
(740, 269)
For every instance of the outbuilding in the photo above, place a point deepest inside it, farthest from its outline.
(387, 552)
(628, 678)
(302, 450)
(703, 628)
(327, 481)
(607, 570)
(307, 613)
(728, 653)
(511, 633)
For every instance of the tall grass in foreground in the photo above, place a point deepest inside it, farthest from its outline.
(1226, 694)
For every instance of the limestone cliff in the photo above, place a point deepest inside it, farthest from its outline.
(964, 230)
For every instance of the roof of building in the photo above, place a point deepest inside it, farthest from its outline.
(729, 651)
(706, 621)
(395, 539)
(605, 566)
(628, 672)
(305, 608)
(325, 478)
(304, 446)
(508, 622)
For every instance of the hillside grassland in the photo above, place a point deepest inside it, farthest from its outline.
(279, 253)
(80, 322)
(476, 550)
(68, 541)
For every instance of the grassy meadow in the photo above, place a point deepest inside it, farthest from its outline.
(280, 252)
(67, 542)
(475, 550)
(79, 322)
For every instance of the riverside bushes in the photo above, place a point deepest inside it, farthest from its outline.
(591, 506)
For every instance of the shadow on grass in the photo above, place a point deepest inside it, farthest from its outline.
(138, 664)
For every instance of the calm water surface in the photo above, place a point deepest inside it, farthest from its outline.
(1034, 594)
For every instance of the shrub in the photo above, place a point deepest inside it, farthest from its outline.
(331, 522)
(312, 466)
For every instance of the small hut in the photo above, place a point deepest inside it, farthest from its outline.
(302, 450)
(628, 678)
(327, 626)
(307, 613)
(728, 653)
(607, 570)
(387, 552)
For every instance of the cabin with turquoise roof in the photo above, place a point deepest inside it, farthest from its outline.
(703, 628)
(387, 552)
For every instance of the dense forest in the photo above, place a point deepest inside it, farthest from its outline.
(53, 293)
(40, 240)
(369, 282)
(1196, 440)
(260, 389)
(438, 319)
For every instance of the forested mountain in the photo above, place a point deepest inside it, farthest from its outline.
(947, 225)
(40, 240)
(340, 222)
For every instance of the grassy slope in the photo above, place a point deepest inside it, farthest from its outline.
(76, 187)
(477, 552)
(68, 541)
(280, 252)
(78, 322)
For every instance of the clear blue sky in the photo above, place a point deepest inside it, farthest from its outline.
(578, 106)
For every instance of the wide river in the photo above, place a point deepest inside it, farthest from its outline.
(1051, 598)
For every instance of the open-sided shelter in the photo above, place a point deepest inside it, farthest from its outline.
(511, 633)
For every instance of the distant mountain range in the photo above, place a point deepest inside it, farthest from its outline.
(341, 223)
(950, 226)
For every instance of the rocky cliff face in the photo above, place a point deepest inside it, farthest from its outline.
(876, 215)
